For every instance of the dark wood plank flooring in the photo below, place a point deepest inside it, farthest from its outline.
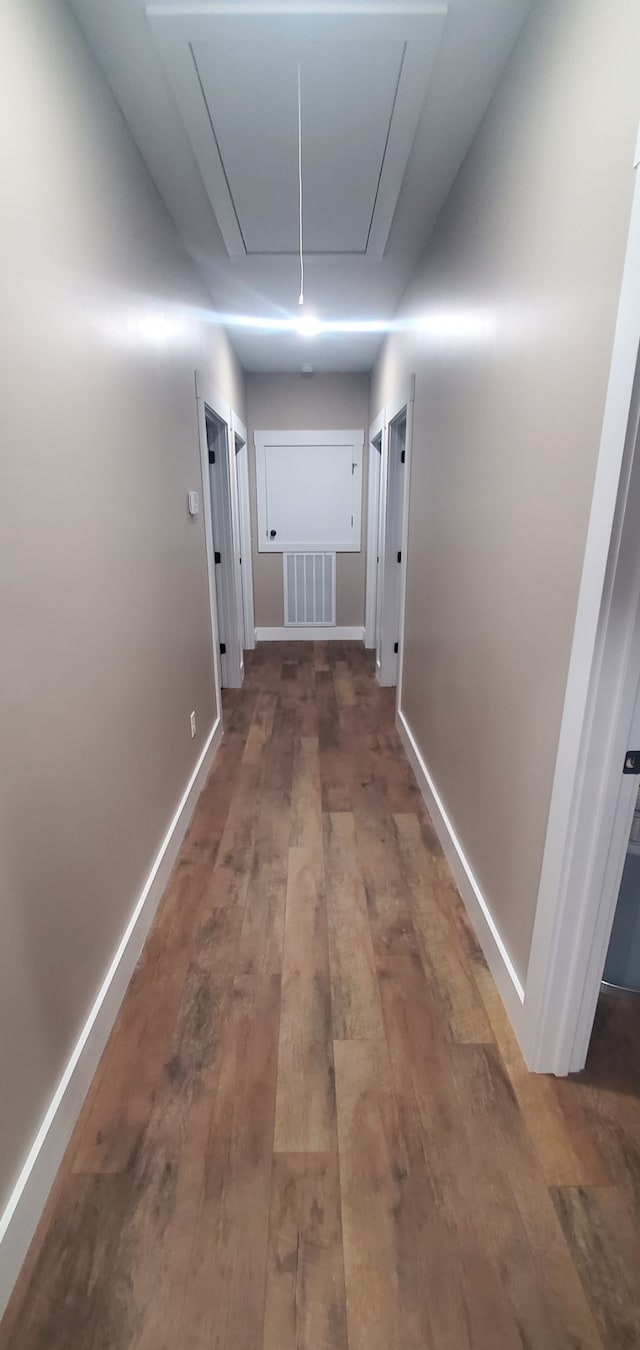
(312, 1128)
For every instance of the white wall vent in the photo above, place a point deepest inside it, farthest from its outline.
(309, 589)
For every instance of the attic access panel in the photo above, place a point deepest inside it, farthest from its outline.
(309, 491)
(364, 79)
(347, 94)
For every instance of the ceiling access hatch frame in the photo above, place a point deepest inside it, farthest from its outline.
(189, 36)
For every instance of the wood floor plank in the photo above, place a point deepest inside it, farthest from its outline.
(153, 1258)
(261, 727)
(262, 936)
(305, 1106)
(230, 876)
(355, 999)
(390, 920)
(602, 1105)
(606, 1250)
(568, 1157)
(140, 1041)
(224, 1302)
(68, 1300)
(544, 1290)
(343, 685)
(328, 720)
(371, 1157)
(306, 795)
(305, 1299)
(443, 956)
(451, 1277)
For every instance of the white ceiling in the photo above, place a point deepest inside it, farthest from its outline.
(392, 93)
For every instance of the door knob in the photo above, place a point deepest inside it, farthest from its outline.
(272, 534)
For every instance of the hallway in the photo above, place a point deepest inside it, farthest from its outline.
(311, 1126)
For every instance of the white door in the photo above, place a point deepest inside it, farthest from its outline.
(309, 491)
(222, 489)
(244, 526)
(390, 550)
(373, 534)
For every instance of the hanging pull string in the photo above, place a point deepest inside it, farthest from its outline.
(301, 296)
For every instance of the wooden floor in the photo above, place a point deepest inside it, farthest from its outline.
(311, 1128)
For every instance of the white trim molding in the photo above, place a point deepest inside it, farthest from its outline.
(27, 1200)
(239, 433)
(310, 634)
(500, 964)
(404, 546)
(208, 397)
(376, 433)
(589, 799)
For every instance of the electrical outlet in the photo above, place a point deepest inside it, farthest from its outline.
(192, 720)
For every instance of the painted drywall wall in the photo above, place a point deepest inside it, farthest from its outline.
(306, 403)
(106, 644)
(508, 326)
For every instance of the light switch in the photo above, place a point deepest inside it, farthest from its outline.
(193, 503)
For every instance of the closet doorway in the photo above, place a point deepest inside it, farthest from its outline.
(388, 513)
(222, 517)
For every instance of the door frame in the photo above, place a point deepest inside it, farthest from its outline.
(410, 403)
(374, 477)
(388, 670)
(239, 433)
(592, 802)
(207, 397)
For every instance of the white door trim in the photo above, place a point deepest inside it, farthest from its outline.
(388, 670)
(376, 431)
(589, 809)
(206, 394)
(239, 430)
(405, 528)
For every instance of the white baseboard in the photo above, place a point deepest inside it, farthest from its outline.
(29, 1195)
(319, 634)
(488, 934)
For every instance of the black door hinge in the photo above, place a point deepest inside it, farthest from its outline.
(223, 648)
(632, 762)
(212, 456)
(217, 557)
(399, 557)
(402, 455)
(395, 646)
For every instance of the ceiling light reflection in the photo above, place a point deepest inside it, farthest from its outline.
(308, 326)
(145, 328)
(457, 325)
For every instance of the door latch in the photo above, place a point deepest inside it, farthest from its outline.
(632, 762)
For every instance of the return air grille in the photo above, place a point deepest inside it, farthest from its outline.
(309, 589)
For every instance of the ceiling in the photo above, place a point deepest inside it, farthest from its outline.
(391, 95)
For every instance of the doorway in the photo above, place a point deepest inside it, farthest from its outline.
(373, 533)
(621, 973)
(390, 440)
(245, 558)
(225, 552)
(223, 512)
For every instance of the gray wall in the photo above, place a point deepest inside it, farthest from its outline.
(103, 586)
(306, 403)
(509, 330)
